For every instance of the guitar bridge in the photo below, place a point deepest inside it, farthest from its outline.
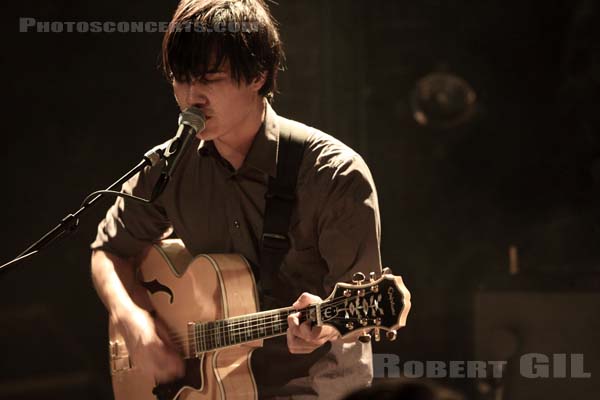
(119, 357)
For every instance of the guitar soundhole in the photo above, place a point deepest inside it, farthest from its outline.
(192, 378)
(156, 287)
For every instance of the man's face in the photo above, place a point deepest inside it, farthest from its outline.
(226, 104)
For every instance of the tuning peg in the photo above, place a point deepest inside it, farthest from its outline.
(386, 271)
(365, 337)
(391, 335)
(358, 278)
(377, 335)
(372, 276)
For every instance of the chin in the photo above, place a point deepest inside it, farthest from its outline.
(206, 135)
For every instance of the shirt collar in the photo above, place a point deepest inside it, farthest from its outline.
(263, 153)
(206, 148)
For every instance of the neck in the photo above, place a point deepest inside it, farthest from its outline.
(234, 147)
(209, 336)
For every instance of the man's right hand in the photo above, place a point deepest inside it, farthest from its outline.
(147, 338)
(149, 345)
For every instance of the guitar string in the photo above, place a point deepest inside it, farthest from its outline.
(242, 326)
(234, 329)
(237, 328)
(243, 320)
(214, 345)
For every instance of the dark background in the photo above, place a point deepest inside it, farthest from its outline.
(80, 109)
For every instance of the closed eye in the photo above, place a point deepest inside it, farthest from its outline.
(213, 77)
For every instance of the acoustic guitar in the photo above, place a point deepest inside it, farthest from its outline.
(210, 306)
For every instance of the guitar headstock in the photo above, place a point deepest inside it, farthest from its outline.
(378, 304)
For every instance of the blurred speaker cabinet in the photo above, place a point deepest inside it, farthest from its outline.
(509, 325)
(41, 358)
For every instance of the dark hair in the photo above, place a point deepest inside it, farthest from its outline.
(240, 31)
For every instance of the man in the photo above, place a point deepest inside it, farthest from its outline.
(215, 204)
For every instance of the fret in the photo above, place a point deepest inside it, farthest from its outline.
(226, 330)
(261, 327)
(197, 337)
(207, 335)
(229, 333)
(212, 335)
(223, 324)
(262, 330)
(276, 326)
(200, 337)
(232, 332)
(247, 329)
(284, 325)
(269, 328)
(223, 332)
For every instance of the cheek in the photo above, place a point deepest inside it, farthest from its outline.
(180, 94)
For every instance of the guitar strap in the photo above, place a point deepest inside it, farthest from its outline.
(279, 202)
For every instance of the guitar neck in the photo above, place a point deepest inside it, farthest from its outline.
(379, 304)
(213, 335)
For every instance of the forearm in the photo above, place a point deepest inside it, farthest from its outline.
(116, 284)
(147, 340)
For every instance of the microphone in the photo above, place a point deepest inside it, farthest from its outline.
(191, 121)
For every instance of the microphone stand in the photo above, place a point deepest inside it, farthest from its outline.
(70, 223)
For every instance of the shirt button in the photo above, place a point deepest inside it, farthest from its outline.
(236, 223)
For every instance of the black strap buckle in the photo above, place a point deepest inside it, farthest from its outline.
(275, 241)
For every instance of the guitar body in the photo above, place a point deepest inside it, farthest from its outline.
(209, 305)
(183, 289)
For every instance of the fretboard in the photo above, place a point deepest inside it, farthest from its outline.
(219, 334)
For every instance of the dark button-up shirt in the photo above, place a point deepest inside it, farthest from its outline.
(213, 208)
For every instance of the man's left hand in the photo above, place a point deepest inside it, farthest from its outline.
(303, 338)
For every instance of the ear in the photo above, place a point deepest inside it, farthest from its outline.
(259, 81)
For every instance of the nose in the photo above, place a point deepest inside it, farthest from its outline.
(195, 95)
(190, 94)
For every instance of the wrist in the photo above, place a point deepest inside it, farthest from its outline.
(127, 313)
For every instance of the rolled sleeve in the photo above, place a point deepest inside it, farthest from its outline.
(348, 225)
(130, 226)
